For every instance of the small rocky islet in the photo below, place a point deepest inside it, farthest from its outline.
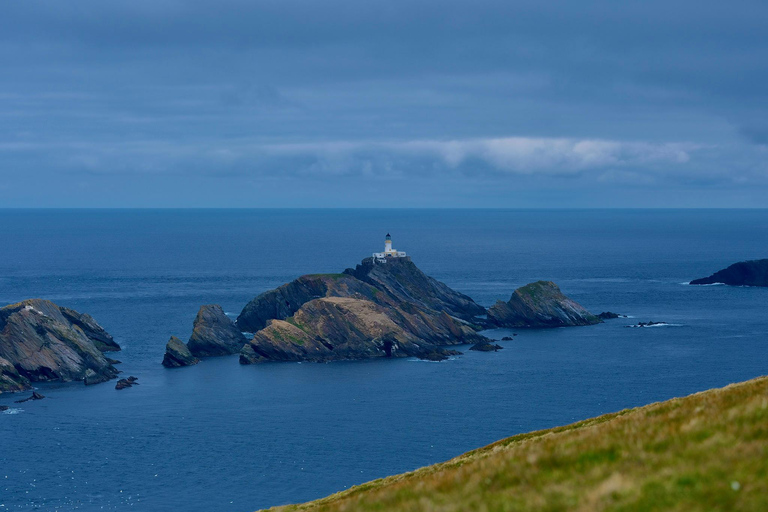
(743, 273)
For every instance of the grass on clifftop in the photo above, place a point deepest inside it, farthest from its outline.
(707, 451)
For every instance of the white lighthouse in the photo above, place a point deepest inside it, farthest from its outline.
(389, 252)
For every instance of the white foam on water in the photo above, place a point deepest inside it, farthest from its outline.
(13, 410)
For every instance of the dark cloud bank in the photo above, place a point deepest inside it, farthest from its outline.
(396, 103)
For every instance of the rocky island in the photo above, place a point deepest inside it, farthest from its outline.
(538, 305)
(40, 341)
(744, 273)
(385, 307)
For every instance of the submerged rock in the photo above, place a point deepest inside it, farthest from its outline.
(45, 342)
(177, 354)
(214, 334)
(35, 396)
(647, 324)
(485, 346)
(744, 273)
(4, 408)
(540, 304)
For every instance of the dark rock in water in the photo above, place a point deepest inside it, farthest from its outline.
(113, 361)
(45, 342)
(607, 315)
(744, 273)
(4, 408)
(35, 396)
(126, 383)
(10, 379)
(214, 334)
(646, 324)
(91, 377)
(438, 354)
(177, 354)
(377, 310)
(540, 304)
(485, 346)
(507, 338)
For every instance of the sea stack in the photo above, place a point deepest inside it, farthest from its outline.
(537, 305)
(177, 354)
(214, 334)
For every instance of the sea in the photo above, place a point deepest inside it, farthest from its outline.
(220, 436)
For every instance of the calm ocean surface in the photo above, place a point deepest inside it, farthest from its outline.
(224, 437)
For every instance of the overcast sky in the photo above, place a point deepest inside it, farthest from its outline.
(360, 103)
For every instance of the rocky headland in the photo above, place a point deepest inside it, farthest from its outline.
(378, 309)
(538, 305)
(40, 341)
(744, 273)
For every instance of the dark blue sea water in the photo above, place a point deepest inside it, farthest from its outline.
(225, 437)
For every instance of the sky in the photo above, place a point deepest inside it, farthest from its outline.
(384, 103)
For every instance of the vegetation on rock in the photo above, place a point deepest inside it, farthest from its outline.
(707, 451)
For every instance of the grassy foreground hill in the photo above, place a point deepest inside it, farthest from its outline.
(707, 451)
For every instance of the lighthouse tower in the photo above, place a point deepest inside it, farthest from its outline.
(389, 252)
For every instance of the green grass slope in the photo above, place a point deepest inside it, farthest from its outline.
(707, 451)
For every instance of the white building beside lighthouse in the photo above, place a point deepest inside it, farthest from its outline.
(389, 252)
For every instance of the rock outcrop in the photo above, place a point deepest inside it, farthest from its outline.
(486, 346)
(403, 281)
(126, 383)
(744, 273)
(45, 342)
(214, 334)
(539, 304)
(389, 309)
(609, 315)
(177, 354)
(335, 328)
(10, 379)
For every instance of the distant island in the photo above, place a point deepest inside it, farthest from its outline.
(384, 307)
(743, 273)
